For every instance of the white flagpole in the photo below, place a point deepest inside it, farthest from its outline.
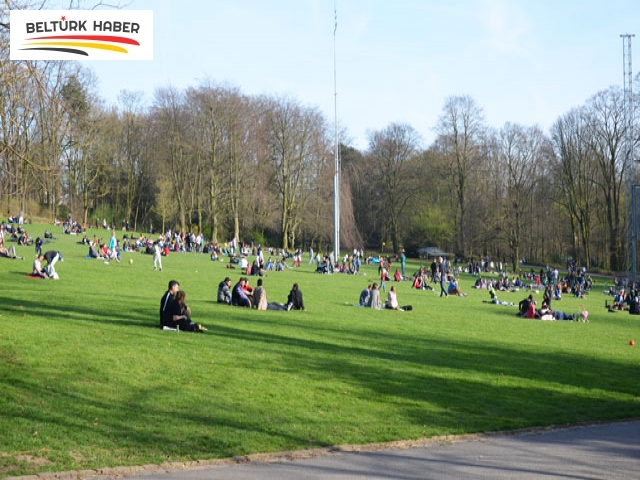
(336, 177)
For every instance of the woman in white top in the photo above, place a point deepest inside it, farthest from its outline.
(392, 299)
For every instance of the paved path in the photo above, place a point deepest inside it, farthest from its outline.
(603, 451)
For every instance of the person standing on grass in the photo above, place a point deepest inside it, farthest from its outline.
(403, 262)
(443, 277)
(157, 256)
(113, 242)
(383, 277)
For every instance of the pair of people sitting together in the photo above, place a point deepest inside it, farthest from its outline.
(174, 312)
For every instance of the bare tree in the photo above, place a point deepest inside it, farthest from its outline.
(574, 173)
(293, 131)
(170, 142)
(461, 130)
(392, 151)
(520, 154)
(605, 114)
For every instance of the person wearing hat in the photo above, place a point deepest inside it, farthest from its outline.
(224, 291)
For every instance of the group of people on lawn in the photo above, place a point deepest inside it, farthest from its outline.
(244, 295)
(527, 309)
(176, 315)
(46, 271)
(623, 300)
(370, 298)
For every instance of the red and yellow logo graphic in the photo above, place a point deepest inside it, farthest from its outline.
(92, 35)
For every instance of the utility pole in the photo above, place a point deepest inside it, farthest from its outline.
(631, 229)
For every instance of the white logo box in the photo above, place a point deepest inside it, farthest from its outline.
(81, 35)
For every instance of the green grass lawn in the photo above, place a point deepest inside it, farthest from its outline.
(88, 382)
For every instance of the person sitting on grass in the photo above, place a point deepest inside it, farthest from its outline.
(174, 314)
(374, 298)
(186, 325)
(493, 295)
(38, 270)
(557, 292)
(169, 307)
(634, 304)
(620, 300)
(392, 301)
(364, 296)
(224, 292)
(294, 300)
(260, 296)
(239, 297)
(397, 276)
(256, 271)
(523, 306)
(454, 288)
(93, 253)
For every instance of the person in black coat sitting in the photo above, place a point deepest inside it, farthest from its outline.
(294, 301)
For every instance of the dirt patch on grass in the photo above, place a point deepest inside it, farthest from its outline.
(21, 460)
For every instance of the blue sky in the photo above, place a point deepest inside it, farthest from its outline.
(524, 61)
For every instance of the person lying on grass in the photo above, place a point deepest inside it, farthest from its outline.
(8, 252)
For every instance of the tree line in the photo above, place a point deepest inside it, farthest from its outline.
(260, 169)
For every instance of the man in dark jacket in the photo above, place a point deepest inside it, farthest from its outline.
(169, 307)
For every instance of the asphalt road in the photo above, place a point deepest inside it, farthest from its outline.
(602, 451)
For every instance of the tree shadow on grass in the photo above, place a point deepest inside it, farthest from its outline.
(408, 366)
(80, 311)
(427, 384)
(415, 383)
